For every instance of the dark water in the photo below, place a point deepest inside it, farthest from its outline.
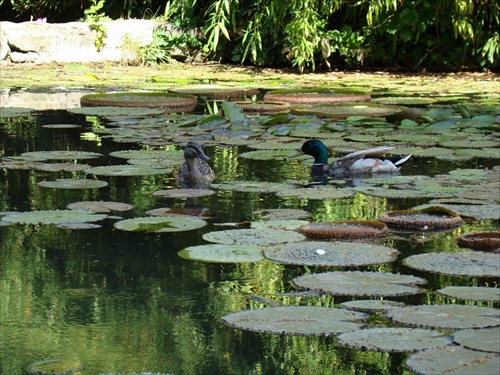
(126, 302)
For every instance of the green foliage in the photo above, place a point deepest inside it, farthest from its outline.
(94, 16)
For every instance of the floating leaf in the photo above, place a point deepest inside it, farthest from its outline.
(479, 210)
(219, 253)
(149, 154)
(7, 112)
(344, 229)
(296, 320)
(486, 241)
(53, 217)
(334, 254)
(394, 339)
(356, 283)
(426, 219)
(116, 111)
(317, 95)
(460, 263)
(321, 192)
(161, 224)
(453, 360)
(60, 155)
(57, 366)
(290, 224)
(486, 339)
(80, 183)
(390, 193)
(343, 110)
(259, 237)
(100, 206)
(371, 305)
(471, 293)
(446, 316)
(249, 186)
(183, 193)
(127, 170)
(281, 213)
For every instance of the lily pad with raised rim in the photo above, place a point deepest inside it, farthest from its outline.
(394, 339)
(446, 316)
(486, 339)
(99, 206)
(281, 213)
(317, 95)
(296, 320)
(460, 263)
(371, 305)
(332, 254)
(258, 237)
(453, 360)
(471, 293)
(127, 170)
(357, 283)
(249, 186)
(68, 183)
(60, 155)
(53, 217)
(220, 253)
(344, 229)
(183, 193)
(149, 154)
(313, 193)
(344, 110)
(288, 224)
(161, 224)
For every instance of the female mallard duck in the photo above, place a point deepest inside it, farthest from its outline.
(355, 163)
(195, 169)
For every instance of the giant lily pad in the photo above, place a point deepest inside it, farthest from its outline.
(471, 293)
(344, 229)
(161, 224)
(335, 254)
(8, 112)
(453, 360)
(281, 213)
(460, 263)
(183, 193)
(486, 339)
(361, 283)
(264, 107)
(265, 236)
(116, 111)
(394, 339)
(296, 320)
(149, 154)
(127, 170)
(100, 206)
(249, 186)
(343, 110)
(68, 183)
(219, 253)
(53, 217)
(425, 219)
(446, 316)
(371, 305)
(319, 192)
(215, 91)
(60, 155)
(289, 224)
(317, 95)
(480, 240)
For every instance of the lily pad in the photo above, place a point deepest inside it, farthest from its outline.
(426, 219)
(344, 229)
(215, 91)
(57, 366)
(288, 224)
(265, 107)
(394, 339)
(53, 217)
(453, 360)
(61, 126)
(460, 263)
(316, 193)
(258, 237)
(480, 240)
(357, 283)
(80, 183)
(446, 316)
(407, 100)
(249, 186)
(371, 305)
(317, 95)
(281, 213)
(183, 193)
(471, 293)
(149, 154)
(161, 224)
(381, 192)
(219, 253)
(333, 254)
(7, 112)
(127, 170)
(344, 110)
(479, 210)
(296, 320)
(60, 155)
(486, 339)
(100, 206)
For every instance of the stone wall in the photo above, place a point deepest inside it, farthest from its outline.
(40, 42)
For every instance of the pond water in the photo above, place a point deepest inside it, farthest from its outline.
(114, 301)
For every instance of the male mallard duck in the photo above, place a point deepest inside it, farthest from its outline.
(355, 163)
(195, 169)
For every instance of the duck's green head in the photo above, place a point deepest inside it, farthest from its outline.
(316, 149)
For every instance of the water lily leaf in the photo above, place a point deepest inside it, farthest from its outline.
(288, 224)
(40, 166)
(344, 229)
(127, 170)
(320, 192)
(296, 320)
(265, 236)
(215, 91)
(78, 226)
(220, 253)
(183, 193)
(453, 360)
(281, 213)
(61, 126)
(161, 224)
(53, 217)
(487, 241)
(486, 339)
(371, 305)
(408, 100)
(334, 254)
(149, 154)
(234, 113)
(249, 186)
(356, 283)
(57, 366)
(317, 95)
(446, 316)
(431, 218)
(264, 107)
(80, 183)
(343, 110)
(478, 211)
(381, 192)
(471, 293)
(60, 155)
(394, 339)
(460, 263)
(100, 206)
(116, 111)
(7, 112)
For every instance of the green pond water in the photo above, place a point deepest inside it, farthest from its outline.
(113, 301)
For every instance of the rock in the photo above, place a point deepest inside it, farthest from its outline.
(41, 42)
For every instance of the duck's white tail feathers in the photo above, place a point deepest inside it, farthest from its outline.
(401, 161)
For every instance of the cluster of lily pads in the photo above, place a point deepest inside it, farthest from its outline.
(439, 334)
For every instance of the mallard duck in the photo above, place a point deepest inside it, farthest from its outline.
(195, 169)
(355, 163)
